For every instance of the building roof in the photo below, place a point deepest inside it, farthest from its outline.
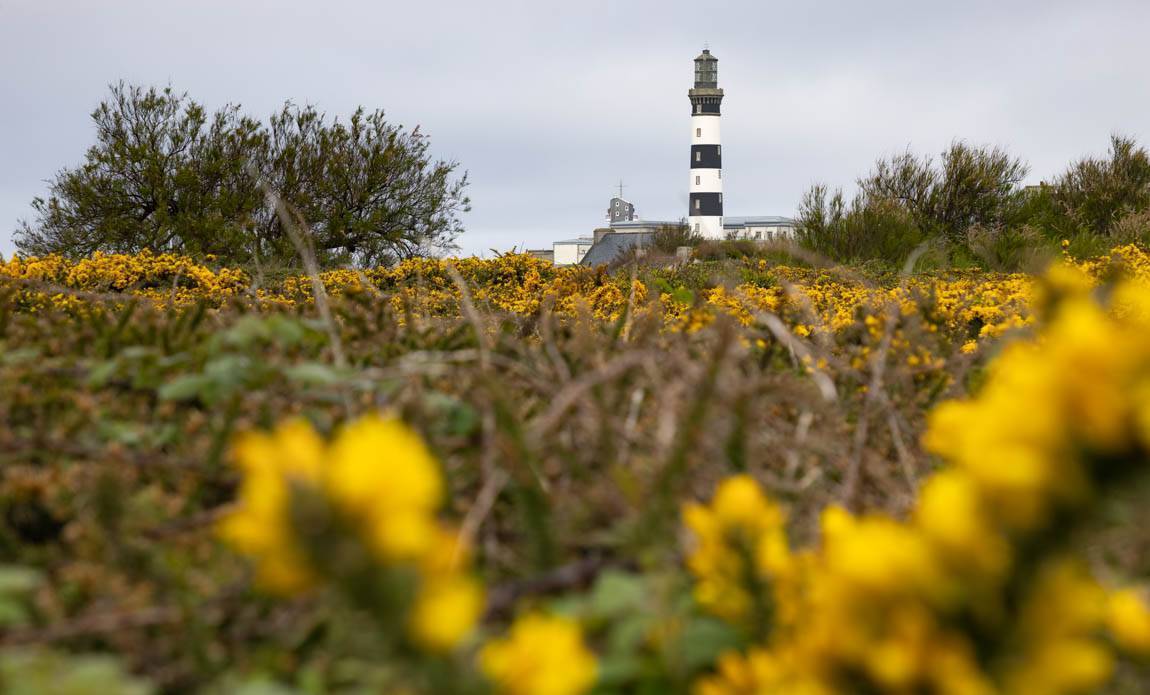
(580, 240)
(611, 245)
(631, 224)
(758, 221)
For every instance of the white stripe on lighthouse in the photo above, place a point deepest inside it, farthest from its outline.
(705, 130)
(705, 180)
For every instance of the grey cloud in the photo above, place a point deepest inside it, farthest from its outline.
(548, 104)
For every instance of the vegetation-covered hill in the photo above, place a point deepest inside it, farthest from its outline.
(474, 475)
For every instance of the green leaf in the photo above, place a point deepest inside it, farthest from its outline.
(15, 584)
(15, 579)
(102, 373)
(703, 640)
(313, 374)
(28, 672)
(229, 372)
(682, 295)
(615, 670)
(184, 388)
(627, 634)
(617, 593)
(19, 356)
(261, 686)
(455, 417)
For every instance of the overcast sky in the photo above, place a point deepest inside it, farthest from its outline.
(548, 105)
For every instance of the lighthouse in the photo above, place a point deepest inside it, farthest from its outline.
(706, 200)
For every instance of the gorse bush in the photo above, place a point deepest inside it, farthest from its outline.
(1008, 248)
(977, 591)
(500, 476)
(866, 229)
(1093, 195)
(971, 205)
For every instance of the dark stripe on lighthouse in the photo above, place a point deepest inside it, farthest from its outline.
(706, 157)
(706, 204)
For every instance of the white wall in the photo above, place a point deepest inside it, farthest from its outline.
(570, 253)
(708, 227)
(705, 130)
(709, 180)
(765, 233)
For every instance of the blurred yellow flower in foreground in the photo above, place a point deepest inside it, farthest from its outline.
(739, 536)
(1128, 617)
(381, 482)
(890, 606)
(446, 609)
(261, 525)
(543, 655)
(380, 472)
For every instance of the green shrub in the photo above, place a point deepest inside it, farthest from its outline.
(867, 228)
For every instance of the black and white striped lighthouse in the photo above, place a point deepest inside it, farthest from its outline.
(706, 212)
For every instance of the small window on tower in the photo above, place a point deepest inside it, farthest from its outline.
(697, 204)
(698, 132)
(696, 227)
(698, 156)
(697, 180)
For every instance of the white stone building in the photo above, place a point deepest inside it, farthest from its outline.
(571, 251)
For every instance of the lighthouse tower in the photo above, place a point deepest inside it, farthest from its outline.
(706, 212)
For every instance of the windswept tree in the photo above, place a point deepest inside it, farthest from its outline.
(369, 189)
(164, 175)
(1094, 194)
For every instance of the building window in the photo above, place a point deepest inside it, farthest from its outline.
(720, 174)
(696, 227)
(720, 197)
(698, 132)
(698, 156)
(697, 180)
(697, 203)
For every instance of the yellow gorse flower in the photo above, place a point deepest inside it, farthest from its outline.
(378, 475)
(1128, 618)
(542, 655)
(899, 606)
(380, 472)
(261, 525)
(446, 610)
(740, 536)
(815, 301)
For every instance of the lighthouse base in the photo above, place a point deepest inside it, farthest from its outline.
(709, 227)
